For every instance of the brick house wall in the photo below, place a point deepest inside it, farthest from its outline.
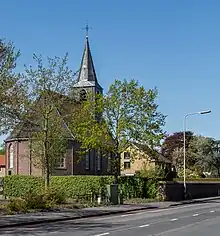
(74, 164)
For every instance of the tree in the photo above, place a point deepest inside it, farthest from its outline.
(174, 143)
(204, 151)
(2, 149)
(177, 158)
(11, 92)
(43, 122)
(112, 122)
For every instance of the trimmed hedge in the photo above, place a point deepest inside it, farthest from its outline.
(80, 186)
(18, 186)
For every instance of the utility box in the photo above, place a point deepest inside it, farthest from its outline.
(113, 194)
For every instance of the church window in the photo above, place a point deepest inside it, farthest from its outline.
(87, 161)
(99, 158)
(62, 163)
(109, 162)
(83, 95)
(11, 156)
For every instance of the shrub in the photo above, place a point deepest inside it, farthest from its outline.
(152, 188)
(34, 201)
(17, 205)
(45, 199)
(56, 196)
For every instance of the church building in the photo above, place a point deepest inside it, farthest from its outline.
(18, 153)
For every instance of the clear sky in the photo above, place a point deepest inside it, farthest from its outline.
(174, 45)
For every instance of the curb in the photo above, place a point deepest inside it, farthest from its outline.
(194, 201)
(187, 202)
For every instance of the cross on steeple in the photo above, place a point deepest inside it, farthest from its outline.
(87, 30)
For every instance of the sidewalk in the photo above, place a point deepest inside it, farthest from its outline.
(69, 214)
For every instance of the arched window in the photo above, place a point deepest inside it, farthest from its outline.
(11, 156)
(83, 95)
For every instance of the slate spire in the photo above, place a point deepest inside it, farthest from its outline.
(87, 75)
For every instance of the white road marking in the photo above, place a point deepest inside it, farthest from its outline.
(107, 233)
(212, 211)
(175, 219)
(127, 215)
(142, 226)
(195, 214)
(149, 211)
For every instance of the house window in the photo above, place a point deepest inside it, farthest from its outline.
(87, 157)
(127, 156)
(11, 156)
(127, 165)
(99, 161)
(62, 163)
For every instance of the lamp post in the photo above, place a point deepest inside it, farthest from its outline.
(184, 145)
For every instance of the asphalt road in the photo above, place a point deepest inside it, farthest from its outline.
(188, 220)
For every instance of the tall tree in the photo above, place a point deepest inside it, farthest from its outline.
(11, 90)
(47, 86)
(126, 114)
(174, 143)
(205, 154)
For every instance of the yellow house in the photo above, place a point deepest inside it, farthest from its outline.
(138, 156)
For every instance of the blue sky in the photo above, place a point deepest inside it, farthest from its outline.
(174, 45)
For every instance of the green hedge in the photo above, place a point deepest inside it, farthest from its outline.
(17, 186)
(79, 186)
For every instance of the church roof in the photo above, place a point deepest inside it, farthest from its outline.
(25, 128)
(87, 75)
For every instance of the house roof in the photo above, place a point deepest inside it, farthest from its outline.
(152, 153)
(2, 160)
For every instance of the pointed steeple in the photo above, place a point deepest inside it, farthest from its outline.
(87, 75)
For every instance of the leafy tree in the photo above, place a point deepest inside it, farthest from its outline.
(153, 172)
(173, 144)
(177, 158)
(112, 122)
(2, 149)
(11, 92)
(205, 153)
(46, 88)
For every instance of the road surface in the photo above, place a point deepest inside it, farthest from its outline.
(188, 220)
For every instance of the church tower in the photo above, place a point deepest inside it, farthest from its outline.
(87, 80)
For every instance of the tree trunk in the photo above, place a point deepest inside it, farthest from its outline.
(218, 172)
(46, 157)
(116, 167)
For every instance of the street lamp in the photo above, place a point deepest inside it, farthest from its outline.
(184, 145)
